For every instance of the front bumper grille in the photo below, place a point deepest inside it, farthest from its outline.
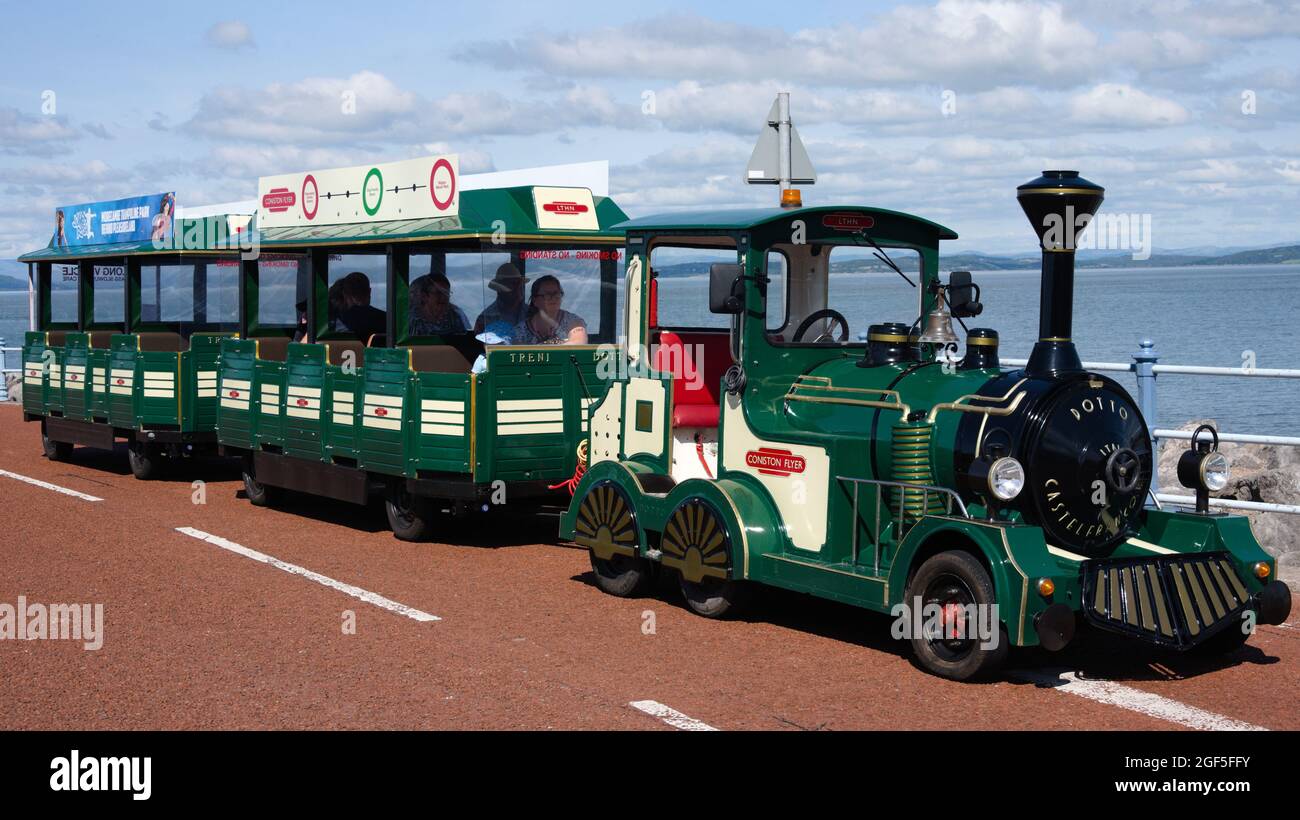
(1171, 600)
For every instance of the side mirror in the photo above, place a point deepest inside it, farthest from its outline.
(963, 295)
(725, 293)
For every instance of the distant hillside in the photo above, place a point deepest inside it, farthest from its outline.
(13, 283)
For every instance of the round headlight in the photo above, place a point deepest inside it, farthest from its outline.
(1006, 478)
(1215, 472)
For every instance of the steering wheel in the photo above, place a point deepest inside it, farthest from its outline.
(825, 313)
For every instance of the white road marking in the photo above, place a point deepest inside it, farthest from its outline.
(671, 716)
(1135, 700)
(37, 482)
(294, 569)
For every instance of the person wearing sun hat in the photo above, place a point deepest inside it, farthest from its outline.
(510, 307)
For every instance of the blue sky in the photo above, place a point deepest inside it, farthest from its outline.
(1144, 97)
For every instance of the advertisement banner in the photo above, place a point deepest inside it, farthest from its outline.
(135, 219)
(411, 189)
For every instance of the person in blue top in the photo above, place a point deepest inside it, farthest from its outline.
(509, 306)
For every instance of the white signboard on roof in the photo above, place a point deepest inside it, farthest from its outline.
(565, 209)
(410, 189)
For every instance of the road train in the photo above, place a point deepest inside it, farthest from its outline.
(756, 443)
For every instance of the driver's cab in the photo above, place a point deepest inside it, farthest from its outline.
(724, 311)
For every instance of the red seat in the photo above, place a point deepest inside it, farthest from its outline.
(696, 385)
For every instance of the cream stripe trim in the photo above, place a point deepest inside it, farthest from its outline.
(438, 404)
(531, 404)
(1147, 545)
(1069, 556)
(442, 429)
(528, 429)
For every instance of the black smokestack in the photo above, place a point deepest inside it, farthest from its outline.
(1059, 204)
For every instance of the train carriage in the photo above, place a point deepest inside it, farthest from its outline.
(130, 350)
(985, 507)
(456, 419)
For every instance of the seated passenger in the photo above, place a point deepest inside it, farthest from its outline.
(357, 315)
(547, 323)
(509, 306)
(432, 311)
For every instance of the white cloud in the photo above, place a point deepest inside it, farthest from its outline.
(1120, 105)
(230, 34)
(317, 109)
(34, 135)
(368, 106)
(978, 43)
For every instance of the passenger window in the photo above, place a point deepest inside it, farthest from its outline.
(776, 290)
(546, 295)
(110, 284)
(201, 293)
(816, 289)
(683, 286)
(278, 302)
(357, 294)
(868, 292)
(63, 293)
(445, 295)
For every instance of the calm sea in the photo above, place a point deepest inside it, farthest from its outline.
(1201, 315)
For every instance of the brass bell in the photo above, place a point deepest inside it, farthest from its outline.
(938, 325)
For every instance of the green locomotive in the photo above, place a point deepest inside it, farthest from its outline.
(775, 451)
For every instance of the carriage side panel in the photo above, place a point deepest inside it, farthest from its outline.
(75, 367)
(386, 411)
(35, 380)
(532, 411)
(235, 386)
(304, 388)
(443, 419)
(122, 380)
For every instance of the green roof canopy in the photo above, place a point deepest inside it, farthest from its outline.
(750, 218)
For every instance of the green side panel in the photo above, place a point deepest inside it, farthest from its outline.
(387, 417)
(301, 402)
(97, 387)
(54, 380)
(201, 376)
(341, 413)
(35, 376)
(159, 389)
(122, 378)
(444, 411)
(267, 410)
(234, 393)
(532, 411)
(76, 367)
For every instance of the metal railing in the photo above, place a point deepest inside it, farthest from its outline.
(5, 369)
(899, 516)
(1145, 367)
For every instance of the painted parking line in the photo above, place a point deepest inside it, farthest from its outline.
(47, 485)
(324, 580)
(1135, 700)
(671, 716)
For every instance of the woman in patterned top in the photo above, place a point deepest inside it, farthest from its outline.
(546, 323)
